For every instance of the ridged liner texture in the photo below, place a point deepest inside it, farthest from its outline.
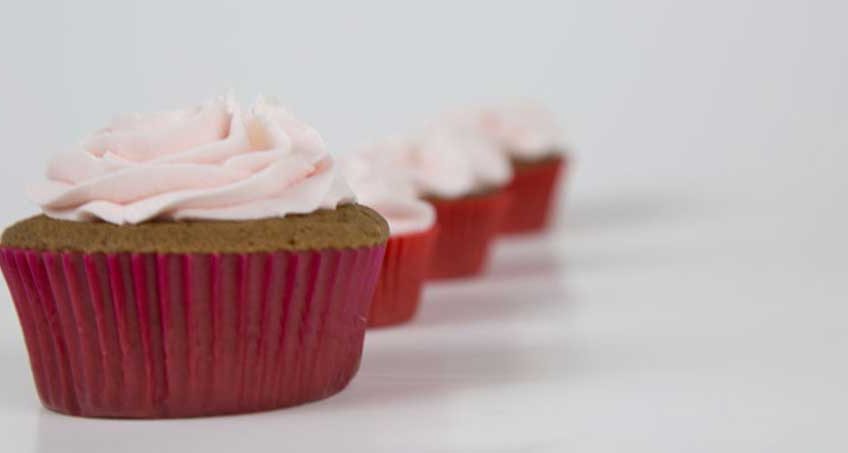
(533, 190)
(405, 268)
(467, 228)
(181, 335)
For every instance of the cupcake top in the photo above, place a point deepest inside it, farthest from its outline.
(523, 131)
(471, 161)
(387, 188)
(208, 179)
(446, 162)
(209, 162)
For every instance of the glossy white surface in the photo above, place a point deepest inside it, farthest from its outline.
(646, 323)
(692, 297)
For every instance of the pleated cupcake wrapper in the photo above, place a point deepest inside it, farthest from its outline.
(533, 190)
(467, 227)
(405, 267)
(177, 335)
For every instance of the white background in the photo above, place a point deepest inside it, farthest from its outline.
(692, 296)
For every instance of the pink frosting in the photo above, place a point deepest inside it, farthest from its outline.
(449, 162)
(443, 161)
(210, 162)
(527, 131)
(388, 188)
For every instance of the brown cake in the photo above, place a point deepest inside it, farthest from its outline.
(348, 226)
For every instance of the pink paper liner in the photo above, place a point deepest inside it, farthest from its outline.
(181, 335)
(404, 270)
(533, 190)
(467, 227)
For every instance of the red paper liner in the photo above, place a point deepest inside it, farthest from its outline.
(533, 190)
(467, 227)
(181, 335)
(405, 267)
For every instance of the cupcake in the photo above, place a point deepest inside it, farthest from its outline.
(390, 192)
(195, 262)
(463, 176)
(530, 137)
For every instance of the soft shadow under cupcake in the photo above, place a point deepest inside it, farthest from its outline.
(16, 381)
(398, 373)
(527, 259)
(625, 208)
(293, 429)
(463, 304)
(524, 282)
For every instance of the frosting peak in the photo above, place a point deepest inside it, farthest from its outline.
(388, 188)
(454, 162)
(209, 162)
(524, 130)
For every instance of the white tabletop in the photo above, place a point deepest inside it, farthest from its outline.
(646, 321)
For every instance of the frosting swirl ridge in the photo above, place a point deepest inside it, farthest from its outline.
(209, 162)
(388, 188)
(522, 130)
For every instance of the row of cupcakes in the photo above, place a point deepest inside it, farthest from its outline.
(214, 260)
(450, 190)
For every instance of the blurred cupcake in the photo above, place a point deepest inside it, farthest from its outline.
(530, 137)
(388, 190)
(196, 262)
(464, 177)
